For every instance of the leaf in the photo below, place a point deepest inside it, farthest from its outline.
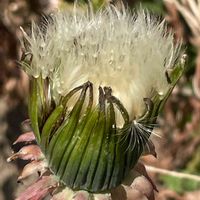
(26, 137)
(39, 190)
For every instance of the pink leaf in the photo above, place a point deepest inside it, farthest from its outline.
(140, 168)
(26, 137)
(40, 189)
(35, 166)
(30, 152)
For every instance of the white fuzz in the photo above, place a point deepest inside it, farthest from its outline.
(110, 48)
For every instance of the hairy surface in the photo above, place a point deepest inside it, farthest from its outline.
(129, 53)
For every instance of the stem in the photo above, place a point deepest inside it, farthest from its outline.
(172, 173)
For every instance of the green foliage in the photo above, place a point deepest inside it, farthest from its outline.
(191, 60)
(179, 185)
(194, 165)
(96, 3)
(155, 6)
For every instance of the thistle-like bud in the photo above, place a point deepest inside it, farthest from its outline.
(98, 82)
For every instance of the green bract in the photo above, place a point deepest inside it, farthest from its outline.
(97, 84)
(83, 145)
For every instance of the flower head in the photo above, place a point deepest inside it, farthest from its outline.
(129, 53)
(98, 82)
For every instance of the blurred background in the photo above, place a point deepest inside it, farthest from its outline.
(178, 147)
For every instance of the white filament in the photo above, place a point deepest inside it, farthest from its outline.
(129, 53)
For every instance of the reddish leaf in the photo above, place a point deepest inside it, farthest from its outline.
(40, 189)
(31, 168)
(26, 137)
(30, 152)
(140, 168)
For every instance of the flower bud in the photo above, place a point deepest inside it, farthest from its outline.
(98, 83)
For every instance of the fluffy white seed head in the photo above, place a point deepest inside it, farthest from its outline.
(129, 53)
